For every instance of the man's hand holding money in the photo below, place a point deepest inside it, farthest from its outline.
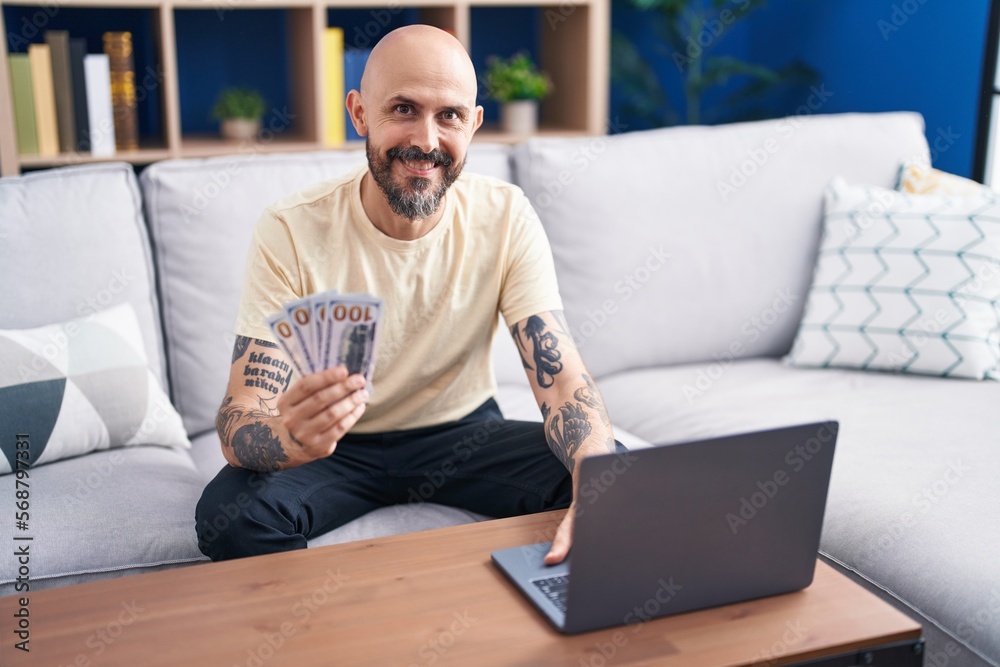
(320, 409)
(330, 339)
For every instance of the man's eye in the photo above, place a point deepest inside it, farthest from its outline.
(403, 108)
(450, 115)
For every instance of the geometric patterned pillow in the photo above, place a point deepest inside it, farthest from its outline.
(81, 386)
(905, 283)
(919, 178)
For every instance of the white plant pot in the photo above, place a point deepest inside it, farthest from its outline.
(240, 129)
(519, 117)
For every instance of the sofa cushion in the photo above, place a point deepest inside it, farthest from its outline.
(77, 235)
(109, 513)
(913, 505)
(683, 244)
(919, 178)
(396, 519)
(80, 386)
(905, 283)
(201, 214)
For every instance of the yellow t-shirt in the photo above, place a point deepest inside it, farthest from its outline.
(441, 292)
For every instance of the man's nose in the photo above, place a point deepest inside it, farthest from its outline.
(425, 135)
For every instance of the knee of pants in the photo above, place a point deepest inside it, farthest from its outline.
(223, 515)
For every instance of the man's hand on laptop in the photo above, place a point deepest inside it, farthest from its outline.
(564, 535)
(321, 408)
(563, 539)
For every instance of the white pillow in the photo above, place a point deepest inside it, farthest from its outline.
(81, 386)
(905, 283)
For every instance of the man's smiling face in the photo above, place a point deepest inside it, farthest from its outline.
(419, 111)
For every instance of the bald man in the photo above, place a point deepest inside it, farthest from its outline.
(447, 252)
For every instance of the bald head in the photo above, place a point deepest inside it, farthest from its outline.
(417, 111)
(419, 55)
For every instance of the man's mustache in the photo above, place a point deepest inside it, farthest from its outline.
(413, 154)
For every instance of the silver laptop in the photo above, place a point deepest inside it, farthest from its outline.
(681, 527)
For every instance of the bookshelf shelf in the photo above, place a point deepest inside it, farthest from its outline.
(571, 42)
(141, 156)
(208, 146)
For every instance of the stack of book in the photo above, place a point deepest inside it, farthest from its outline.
(342, 70)
(69, 101)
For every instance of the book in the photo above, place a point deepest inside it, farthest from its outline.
(100, 112)
(62, 83)
(333, 80)
(118, 48)
(354, 67)
(77, 51)
(24, 104)
(40, 59)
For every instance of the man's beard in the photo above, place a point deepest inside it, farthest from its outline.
(415, 199)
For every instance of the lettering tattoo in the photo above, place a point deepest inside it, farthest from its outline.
(591, 397)
(544, 350)
(566, 431)
(243, 342)
(254, 445)
(262, 371)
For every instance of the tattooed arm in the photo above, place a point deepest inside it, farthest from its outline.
(266, 425)
(576, 421)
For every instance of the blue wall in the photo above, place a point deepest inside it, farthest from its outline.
(872, 55)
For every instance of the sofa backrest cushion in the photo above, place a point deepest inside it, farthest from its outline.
(73, 243)
(201, 214)
(697, 244)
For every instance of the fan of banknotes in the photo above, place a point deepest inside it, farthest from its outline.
(329, 329)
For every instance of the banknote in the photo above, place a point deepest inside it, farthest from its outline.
(329, 329)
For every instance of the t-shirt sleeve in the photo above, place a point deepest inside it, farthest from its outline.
(271, 279)
(529, 286)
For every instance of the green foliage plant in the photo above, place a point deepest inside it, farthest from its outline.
(515, 78)
(688, 31)
(239, 103)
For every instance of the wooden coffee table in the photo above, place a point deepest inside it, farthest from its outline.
(429, 598)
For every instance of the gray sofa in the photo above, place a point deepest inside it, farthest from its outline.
(682, 299)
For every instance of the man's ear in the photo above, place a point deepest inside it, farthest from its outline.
(479, 119)
(356, 112)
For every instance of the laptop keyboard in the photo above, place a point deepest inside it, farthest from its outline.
(554, 588)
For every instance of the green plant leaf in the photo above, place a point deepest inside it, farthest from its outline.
(515, 78)
(638, 84)
(718, 70)
(239, 103)
(794, 73)
(678, 23)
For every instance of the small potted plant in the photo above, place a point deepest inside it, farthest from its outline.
(240, 111)
(518, 85)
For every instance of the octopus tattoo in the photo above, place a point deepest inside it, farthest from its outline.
(544, 350)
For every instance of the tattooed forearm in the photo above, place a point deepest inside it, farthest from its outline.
(248, 434)
(243, 342)
(560, 318)
(240, 347)
(262, 371)
(566, 431)
(544, 350)
(591, 397)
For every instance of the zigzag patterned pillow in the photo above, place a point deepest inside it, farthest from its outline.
(81, 386)
(905, 283)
